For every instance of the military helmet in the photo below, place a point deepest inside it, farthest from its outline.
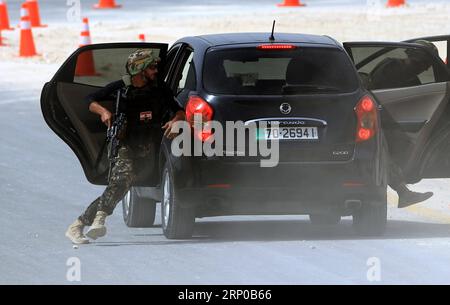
(140, 59)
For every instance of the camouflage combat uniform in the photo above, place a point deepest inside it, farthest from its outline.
(122, 176)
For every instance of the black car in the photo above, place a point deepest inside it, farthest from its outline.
(331, 128)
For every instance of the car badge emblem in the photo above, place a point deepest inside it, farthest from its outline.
(285, 108)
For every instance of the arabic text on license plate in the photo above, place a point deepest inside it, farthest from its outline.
(289, 133)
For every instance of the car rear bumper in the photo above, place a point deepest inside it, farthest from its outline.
(217, 187)
(273, 201)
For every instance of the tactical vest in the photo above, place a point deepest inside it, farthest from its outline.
(145, 110)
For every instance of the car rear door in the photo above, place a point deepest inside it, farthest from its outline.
(414, 95)
(66, 112)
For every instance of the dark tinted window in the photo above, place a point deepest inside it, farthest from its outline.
(275, 72)
(186, 74)
(170, 59)
(102, 66)
(393, 67)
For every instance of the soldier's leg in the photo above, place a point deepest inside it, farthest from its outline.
(120, 181)
(89, 214)
(406, 197)
(396, 178)
(75, 230)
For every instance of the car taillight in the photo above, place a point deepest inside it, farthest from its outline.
(366, 113)
(276, 47)
(195, 107)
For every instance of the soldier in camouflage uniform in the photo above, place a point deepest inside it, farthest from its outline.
(146, 100)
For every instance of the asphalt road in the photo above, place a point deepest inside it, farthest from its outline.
(43, 189)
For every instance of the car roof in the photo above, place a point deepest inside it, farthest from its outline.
(243, 38)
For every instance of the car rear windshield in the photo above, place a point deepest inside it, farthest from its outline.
(303, 70)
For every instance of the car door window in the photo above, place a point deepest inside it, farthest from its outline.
(393, 67)
(186, 78)
(171, 55)
(103, 66)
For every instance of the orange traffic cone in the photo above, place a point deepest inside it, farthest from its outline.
(27, 48)
(33, 8)
(292, 3)
(395, 3)
(85, 35)
(85, 62)
(4, 18)
(24, 12)
(104, 4)
(142, 37)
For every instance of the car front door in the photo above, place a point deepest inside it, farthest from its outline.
(412, 85)
(66, 111)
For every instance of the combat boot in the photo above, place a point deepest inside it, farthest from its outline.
(408, 198)
(98, 228)
(75, 233)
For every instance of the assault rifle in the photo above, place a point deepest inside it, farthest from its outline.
(114, 133)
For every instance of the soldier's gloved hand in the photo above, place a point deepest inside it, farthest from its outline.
(106, 118)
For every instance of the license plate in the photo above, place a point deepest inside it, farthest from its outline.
(288, 133)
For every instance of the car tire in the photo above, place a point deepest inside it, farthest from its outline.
(138, 212)
(177, 221)
(324, 219)
(371, 218)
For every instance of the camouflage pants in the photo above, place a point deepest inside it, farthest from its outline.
(120, 182)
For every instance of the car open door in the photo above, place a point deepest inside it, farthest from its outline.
(66, 112)
(412, 85)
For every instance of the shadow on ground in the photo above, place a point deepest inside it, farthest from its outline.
(289, 230)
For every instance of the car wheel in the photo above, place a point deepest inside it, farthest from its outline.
(138, 212)
(371, 218)
(325, 219)
(177, 221)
